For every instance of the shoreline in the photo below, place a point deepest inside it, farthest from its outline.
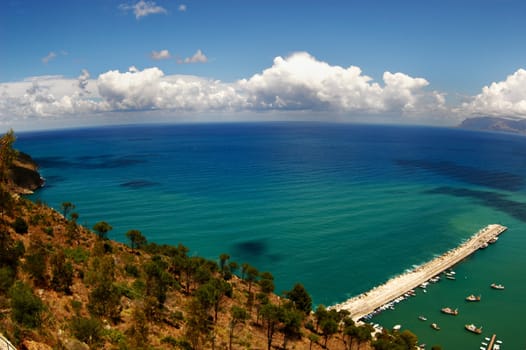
(366, 303)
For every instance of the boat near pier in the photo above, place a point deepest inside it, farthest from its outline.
(366, 303)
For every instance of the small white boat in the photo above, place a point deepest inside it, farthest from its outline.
(422, 318)
(397, 327)
(497, 286)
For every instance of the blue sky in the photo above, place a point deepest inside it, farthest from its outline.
(69, 61)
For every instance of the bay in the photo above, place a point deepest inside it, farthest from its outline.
(338, 207)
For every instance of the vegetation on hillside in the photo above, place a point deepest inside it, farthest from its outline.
(65, 286)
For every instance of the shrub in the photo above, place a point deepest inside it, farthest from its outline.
(78, 254)
(26, 308)
(87, 330)
(132, 270)
(20, 225)
(7, 278)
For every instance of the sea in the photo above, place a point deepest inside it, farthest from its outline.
(339, 208)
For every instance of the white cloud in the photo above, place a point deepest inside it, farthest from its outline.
(160, 55)
(143, 8)
(182, 8)
(83, 80)
(198, 57)
(302, 82)
(299, 82)
(504, 98)
(47, 96)
(50, 56)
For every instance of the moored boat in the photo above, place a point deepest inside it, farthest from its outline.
(422, 318)
(496, 286)
(473, 297)
(435, 326)
(473, 328)
(449, 311)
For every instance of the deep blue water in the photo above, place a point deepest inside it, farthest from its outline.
(338, 207)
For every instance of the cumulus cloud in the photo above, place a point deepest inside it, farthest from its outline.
(151, 89)
(198, 57)
(143, 8)
(302, 82)
(504, 98)
(160, 55)
(46, 96)
(83, 80)
(298, 82)
(182, 8)
(49, 57)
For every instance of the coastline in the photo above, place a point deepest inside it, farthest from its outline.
(366, 303)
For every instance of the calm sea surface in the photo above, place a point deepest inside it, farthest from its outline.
(339, 208)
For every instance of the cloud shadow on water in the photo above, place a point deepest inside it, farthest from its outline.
(99, 162)
(136, 184)
(493, 200)
(480, 177)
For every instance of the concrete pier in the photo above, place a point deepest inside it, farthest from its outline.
(365, 303)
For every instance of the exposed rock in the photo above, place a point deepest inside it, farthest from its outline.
(74, 344)
(33, 345)
(24, 175)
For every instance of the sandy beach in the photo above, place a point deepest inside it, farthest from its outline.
(365, 303)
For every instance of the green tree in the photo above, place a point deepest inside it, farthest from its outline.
(237, 315)
(300, 298)
(87, 330)
(102, 228)
(158, 279)
(137, 240)
(329, 327)
(138, 332)
(211, 294)
(26, 308)
(36, 263)
(408, 340)
(66, 208)
(252, 275)
(291, 320)
(270, 314)
(7, 154)
(20, 225)
(266, 282)
(223, 258)
(62, 272)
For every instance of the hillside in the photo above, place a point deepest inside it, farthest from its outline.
(64, 286)
(495, 124)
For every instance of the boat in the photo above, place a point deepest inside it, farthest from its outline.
(493, 240)
(451, 277)
(435, 326)
(496, 286)
(449, 311)
(473, 297)
(473, 328)
(484, 246)
(397, 327)
(422, 318)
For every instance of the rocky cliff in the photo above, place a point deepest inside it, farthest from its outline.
(24, 174)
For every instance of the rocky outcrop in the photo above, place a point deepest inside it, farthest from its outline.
(24, 175)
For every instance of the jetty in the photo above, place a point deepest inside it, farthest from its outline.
(366, 303)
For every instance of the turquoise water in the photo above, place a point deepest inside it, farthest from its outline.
(340, 208)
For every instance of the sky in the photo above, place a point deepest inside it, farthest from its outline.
(90, 62)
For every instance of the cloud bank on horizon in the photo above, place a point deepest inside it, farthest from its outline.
(298, 82)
